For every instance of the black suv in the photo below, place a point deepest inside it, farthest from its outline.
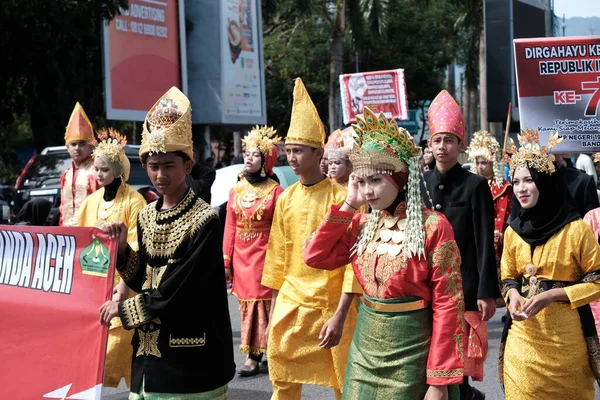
(41, 175)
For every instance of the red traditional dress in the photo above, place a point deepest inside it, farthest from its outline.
(247, 228)
(76, 183)
(386, 275)
(502, 196)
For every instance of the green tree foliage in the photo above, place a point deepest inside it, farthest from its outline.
(51, 59)
(295, 46)
(415, 35)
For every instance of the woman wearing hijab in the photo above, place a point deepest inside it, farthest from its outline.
(550, 273)
(114, 201)
(34, 212)
(408, 342)
(247, 225)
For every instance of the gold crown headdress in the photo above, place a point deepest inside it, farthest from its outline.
(596, 157)
(485, 145)
(168, 125)
(263, 138)
(109, 147)
(531, 154)
(109, 143)
(383, 148)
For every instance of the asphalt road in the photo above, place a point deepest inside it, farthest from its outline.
(258, 387)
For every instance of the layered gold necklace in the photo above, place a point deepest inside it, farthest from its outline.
(246, 196)
(107, 208)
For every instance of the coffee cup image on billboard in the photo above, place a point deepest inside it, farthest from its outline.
(234, 35)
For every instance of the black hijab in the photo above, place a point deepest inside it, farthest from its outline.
(34, 212)
(555, 209)
(110, 190)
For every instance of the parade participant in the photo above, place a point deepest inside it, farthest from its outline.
(114, 201)
(428, 159)
(550, 272)
(581, 187)
(485, 152)
(78, 181)
(338, 148)
(182, 346)
(312, 320)
(408, 338)
(324, 163)
(465, 199)
(249, 215)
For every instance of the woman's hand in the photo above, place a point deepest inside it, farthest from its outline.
(516, 302)
(537, 303)
(353, 198)
(436, 393)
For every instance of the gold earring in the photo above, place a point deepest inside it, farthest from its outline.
(262, 172)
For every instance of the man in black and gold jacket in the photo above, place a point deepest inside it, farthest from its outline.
(465, 199)
(183, 339)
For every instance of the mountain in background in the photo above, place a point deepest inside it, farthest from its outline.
(582, 26)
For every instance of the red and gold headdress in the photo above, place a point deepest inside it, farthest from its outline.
(79, 126)
(444, 116)
(383, 148)
(531, 154)
(340, 143)
(265, 140)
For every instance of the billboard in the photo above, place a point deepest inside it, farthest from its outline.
(381, 91)
(143, 49)
(52, 282)
(225, 57)
(558, 83)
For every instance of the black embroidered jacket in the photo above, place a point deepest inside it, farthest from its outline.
(465, 199)
(183, 339)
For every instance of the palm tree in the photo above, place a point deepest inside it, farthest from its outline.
(470, 28)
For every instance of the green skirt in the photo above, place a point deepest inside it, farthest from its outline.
(389, 352)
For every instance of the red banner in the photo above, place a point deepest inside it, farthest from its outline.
(381, 91)
(52, 282)
(558, 81)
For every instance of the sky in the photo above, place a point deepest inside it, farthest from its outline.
(577, 8)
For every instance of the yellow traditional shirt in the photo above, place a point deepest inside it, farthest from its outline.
(124, 207)
(299, 212)
(567, 256)
(308, 297)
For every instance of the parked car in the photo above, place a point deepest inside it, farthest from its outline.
(41, 175)
(5, 207)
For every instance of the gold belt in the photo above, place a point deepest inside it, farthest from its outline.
(395, 307)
